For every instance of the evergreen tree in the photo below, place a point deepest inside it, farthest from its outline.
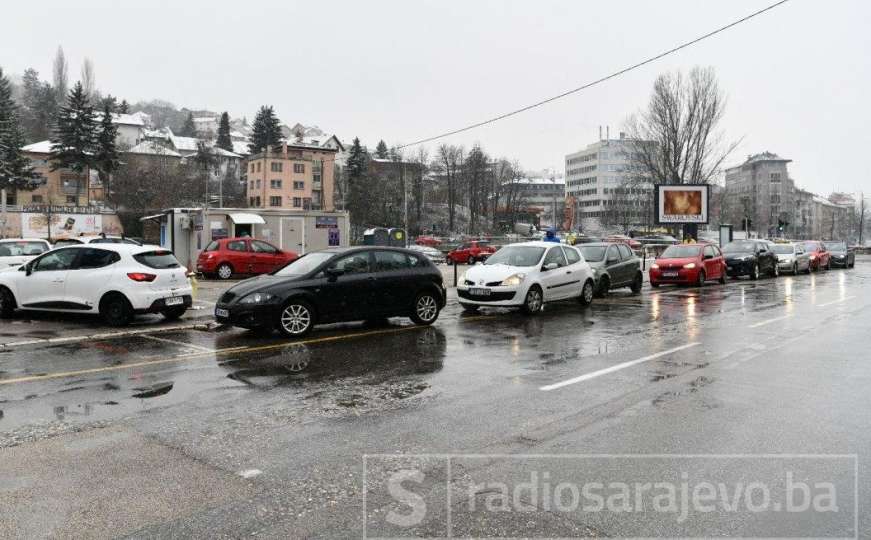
(106, 153)
(359, 199)
(75, 136)
(16, 173)
(381, 151)
(38, 107)
(124, 107)
(224, 141)
(111, 102)
(189, 129)
(266, 130)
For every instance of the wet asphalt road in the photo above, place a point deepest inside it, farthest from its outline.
(223, 433)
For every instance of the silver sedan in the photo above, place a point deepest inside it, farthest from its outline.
(792, 258)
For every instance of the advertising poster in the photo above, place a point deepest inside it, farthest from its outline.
(62, 225)
(682, 203)
(326, 222)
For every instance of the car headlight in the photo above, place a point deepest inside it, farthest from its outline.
(813, 257)
(257, 298)
(689, 266)
(654, 266)
(513, 281)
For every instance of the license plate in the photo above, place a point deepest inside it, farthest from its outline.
(173, 301)
(669, 274)
(222, 313)
(479, 292)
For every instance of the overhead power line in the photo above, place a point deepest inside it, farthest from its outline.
(597, 81)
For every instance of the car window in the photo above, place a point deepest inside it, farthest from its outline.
(258, 246)
(159, 260)
(213, 246)
(96, 258)
(625, 251)
(572, 255)
(613, 255)
(387, 261)
(237, 245)
(555, 255)
(709, 251)
(21, 247)
(61, 259)
(356, 263)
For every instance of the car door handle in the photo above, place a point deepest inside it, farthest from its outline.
(57, 281)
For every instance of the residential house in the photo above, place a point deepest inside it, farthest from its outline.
(299, 176)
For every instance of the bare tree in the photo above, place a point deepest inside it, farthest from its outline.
(420, 168)
(60, 75)
(89, 79)
(450, 162)
(862, 217)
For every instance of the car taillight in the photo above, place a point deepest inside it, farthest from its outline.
(141, 276)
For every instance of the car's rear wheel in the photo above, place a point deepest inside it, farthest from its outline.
(116, 310)
(637, 283)
(7, 303)
(225, 271)
(534, 300)
(701, 279)
(587, 293)
(173, 313)
(296, 319)
(426, 309)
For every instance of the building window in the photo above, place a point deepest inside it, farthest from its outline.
(251, 201)
(252, 167)
(36, 199)
(257, 201)
(299, 168)
(274, 201)
(775, 177)
(72, 199)
(258, 166)
(297, 202)
(275, 166)
(258, 183)
(251, 187)
(298, 185)
(275, 184)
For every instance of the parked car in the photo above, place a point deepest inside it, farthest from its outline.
(688, 264)
(430, 241)
(229, 256)
(471, 252)
(336, 285)
(580, 239)
(820, 256)
(658, 239)
(751, 258)
(99, 239)
(792, 258)
(841, 255)
(431, 253)
(527, 275)
(115, 281)
(17, 251)
(614, 266)
(622, 238)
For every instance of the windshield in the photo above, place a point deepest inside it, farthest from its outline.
(17, 248)
(835, 246)
(516, 256)
(811, 246)
(305, 264)
(739, 247)
(593, 253)
(680, 252)
(783, 249)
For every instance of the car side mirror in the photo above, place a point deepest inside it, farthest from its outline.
(333, 273)
(550, 266)
(28, 269)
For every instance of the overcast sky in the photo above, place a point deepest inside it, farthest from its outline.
(797, 78)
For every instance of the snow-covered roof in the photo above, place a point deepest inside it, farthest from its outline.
(241, 148)
(152, 148)
(155, 134)
(124, 119)
(557, 181)
(188, 144)
(41, 147)
(224, 153)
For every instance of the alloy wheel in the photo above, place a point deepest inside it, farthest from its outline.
(533, 300)
(296, 319)
(427, 308)
(588, 292)
(225, 272)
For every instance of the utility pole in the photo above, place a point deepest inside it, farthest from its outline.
(861, 216)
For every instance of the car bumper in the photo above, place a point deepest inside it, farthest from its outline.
(245, 316)
(740, 268)
(151, 300)
(839, 261)
(684, 276)
(787, 266)
(499, 296)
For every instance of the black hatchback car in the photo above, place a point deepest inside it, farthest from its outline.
(337, 285)
(750, 258)
(842, 256)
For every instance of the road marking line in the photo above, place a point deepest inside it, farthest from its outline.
(617, 367)
(180, 343)
(769, 321)
(250, 473)
(836, 301)
(107, 335)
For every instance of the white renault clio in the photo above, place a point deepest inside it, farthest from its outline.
(115, 281)
(527, 275)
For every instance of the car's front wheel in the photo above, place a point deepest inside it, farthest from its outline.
(174, 313)
(754, 274)
(296, 319)
(7, 303)
(534, 300)
(795, 269)
(637, 283)
(604, 286)
(426, 309)
(702, 278)
(775, 271)
(587, 293)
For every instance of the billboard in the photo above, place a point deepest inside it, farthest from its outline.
(682, 203)
(62, 225)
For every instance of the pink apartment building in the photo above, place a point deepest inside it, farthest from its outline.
(299, 176)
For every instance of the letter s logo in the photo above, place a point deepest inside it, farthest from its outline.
(415, 501)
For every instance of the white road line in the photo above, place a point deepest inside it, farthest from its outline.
(836, 301)
(250, 473)
(107, 335)
(769, 321)
(180, 343)
(617, 367)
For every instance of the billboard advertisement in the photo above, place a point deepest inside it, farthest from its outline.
(682, 203)
(62, 225)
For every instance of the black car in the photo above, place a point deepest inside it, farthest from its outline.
(841, 255)
(337, 285)
(750, 258)
(614, 266)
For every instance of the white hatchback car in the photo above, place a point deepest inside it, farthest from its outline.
(17, 251)
(527, 275)
(113, 280)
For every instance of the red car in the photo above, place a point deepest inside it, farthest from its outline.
(819, 255)
(229, 256)
(430, 241)
(688, 264)
(471, 252)
(623, 239)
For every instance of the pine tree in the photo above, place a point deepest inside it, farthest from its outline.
(224, 141)
(381, 151)
(75, 136)
(124, 107)
(106, 154)
(359, 199)
(16, 173)
(189, 129)
(266, 130)
(110, 101)
(38, 107)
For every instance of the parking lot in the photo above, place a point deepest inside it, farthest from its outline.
(217, 432)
